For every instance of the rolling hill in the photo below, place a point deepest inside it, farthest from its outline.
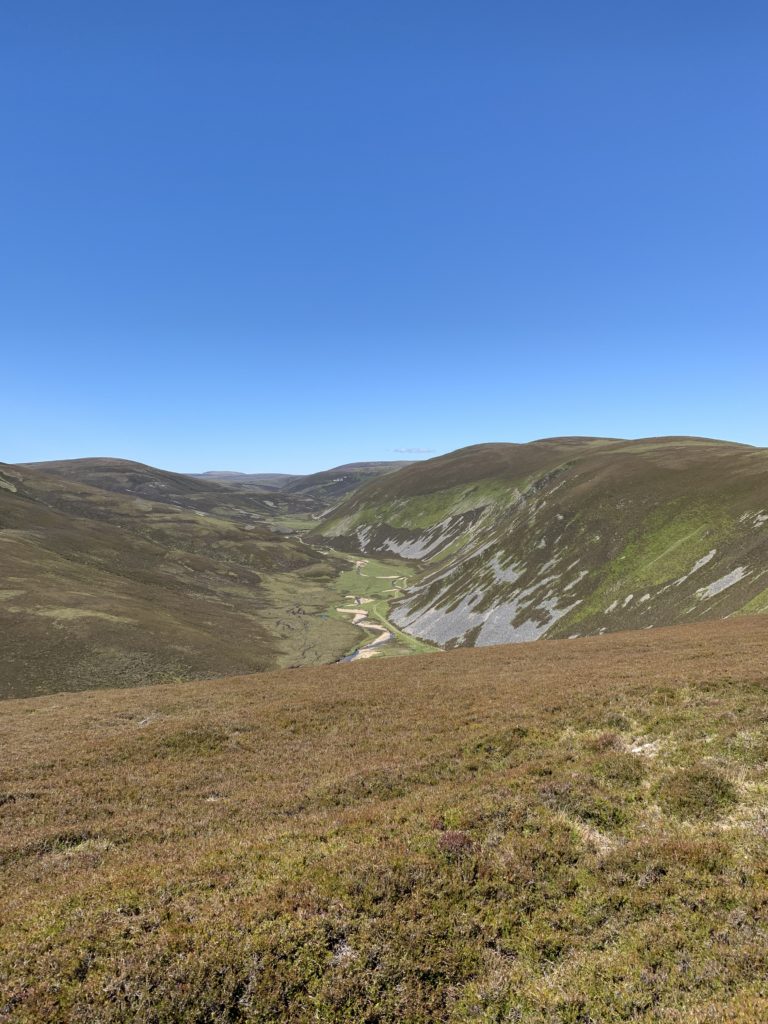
(120, 573)
(248, 481)
(103, 587)
(326, 486)
(568, 536)
(555, 833)
(332, 484)
(201, 493)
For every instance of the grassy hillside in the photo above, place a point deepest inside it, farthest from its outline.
(102, 588)
(568, 536)
(201, 493)
(554, 833)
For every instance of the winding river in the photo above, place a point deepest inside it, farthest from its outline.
(360, 618)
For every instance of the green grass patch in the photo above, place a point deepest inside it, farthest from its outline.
(665, 546)
(757, 605)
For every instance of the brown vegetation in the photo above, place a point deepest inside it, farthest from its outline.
(100, 588)
(557, 832)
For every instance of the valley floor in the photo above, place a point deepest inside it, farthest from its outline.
(566, 831)
(370, 586)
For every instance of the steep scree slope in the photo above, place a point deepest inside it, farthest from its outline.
(569, 536)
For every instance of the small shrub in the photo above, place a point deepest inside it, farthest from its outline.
(455, 844)
(607, 741)
(625, 769)
(584, 799)
(380, 784)
(616, 720)
(698, 792)
(502, 744)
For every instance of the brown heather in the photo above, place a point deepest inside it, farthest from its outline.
(566, 831)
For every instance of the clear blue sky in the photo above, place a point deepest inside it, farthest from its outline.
(284, 235)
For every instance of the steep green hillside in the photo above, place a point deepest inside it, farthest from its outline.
(102, 589)
(568, 536)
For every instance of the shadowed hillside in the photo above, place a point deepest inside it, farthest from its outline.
(562, 832)
(263, 494)
(324, 487)
(568, 536)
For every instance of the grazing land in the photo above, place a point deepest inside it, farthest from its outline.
(372, 585)
(567, 831)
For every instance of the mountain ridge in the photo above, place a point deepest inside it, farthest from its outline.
(517, 542)
(494, 543)
(297, 492)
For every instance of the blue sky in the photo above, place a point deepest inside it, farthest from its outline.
(286, 235)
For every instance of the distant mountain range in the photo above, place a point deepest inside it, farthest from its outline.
(257, 481)
(128, 477)
(328, 484)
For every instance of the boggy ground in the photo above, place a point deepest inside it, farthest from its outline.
(567, 831)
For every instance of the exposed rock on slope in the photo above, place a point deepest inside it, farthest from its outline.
(569, 536)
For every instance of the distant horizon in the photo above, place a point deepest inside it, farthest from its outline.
(414, 457)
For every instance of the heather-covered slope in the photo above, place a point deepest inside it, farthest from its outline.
(99, 588)
(331, 484)
(325, 487)
(569, 536)
(554, 833)
(264, 495)
(201, 493)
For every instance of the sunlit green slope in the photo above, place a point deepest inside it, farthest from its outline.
(569, 536)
